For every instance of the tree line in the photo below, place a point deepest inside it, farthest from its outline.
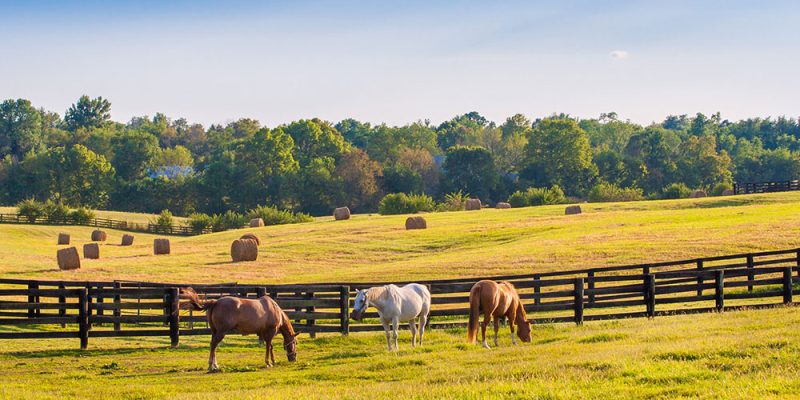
(154, 163)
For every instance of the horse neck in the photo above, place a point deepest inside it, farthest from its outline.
(376, 296)
(286, 329)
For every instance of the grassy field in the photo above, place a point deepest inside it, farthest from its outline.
(457, 244)
(736, 355)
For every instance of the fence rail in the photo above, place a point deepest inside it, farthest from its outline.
(766, 187)
(178, 230)
(128, 309)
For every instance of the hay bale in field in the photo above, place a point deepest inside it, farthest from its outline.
(251, 236)
(416, 223)
(244, 250)
(473, 204)
(571, 210)
(256, 223)
(698, 194)
(127, 240)
(91, 251)
(341, 213)
(160, 246)
(99, 236)
(503, 205)
(728, 192)
(63, 238)
(68, 258)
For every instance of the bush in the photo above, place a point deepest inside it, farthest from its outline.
(603, 192)
(537, 197)
(164, 221)
(229, 220)
(200, 222)
(56, 212)
(401, 203)
(30, 209)
(676, 191)
(456, 201)
(273, 216)
(719, 188)
(81, 216)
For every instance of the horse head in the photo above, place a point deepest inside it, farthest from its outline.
(360, 305)
(290, 345)
(524, 330)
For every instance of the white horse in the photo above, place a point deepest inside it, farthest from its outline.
(396, 305)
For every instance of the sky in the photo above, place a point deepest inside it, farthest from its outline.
(402, 61)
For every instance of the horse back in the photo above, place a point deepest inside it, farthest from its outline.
(245, 315)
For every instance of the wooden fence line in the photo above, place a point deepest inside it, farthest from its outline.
(107, 223)
(766, 187)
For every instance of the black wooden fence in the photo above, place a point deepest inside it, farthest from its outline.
(177, 230)
(766, 187)
(36, 309)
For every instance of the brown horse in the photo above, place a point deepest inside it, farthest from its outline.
(496, 300)
(261, 316)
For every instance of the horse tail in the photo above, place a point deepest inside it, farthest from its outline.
(474, 312)
(193, 301)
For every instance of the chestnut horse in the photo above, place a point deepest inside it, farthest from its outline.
(261, 316)
(496, 300)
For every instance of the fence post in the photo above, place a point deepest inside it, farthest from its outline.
(62, 302)
(650, 294)
(579, 301)
(750, 275)
(298, 295)
(310, 321)
(344, 309)
(719, 289)
(699, 278)
(174, 316)
(590, 283)
(32, 311)
(537, 290)
(787, 285)
(117, 304)
(798, 263)
(83, 317)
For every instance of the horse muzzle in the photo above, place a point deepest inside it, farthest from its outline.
(356, 315)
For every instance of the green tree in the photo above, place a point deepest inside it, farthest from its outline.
(470, 169)
(134, 152)
(558, 153)
(87, 113)
(315, 139)
(358, 177)
(20, 128)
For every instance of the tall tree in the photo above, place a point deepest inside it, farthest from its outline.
(470, 169)
(87, 113)
(558, 153)
(20, 128)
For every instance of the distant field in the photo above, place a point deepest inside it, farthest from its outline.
(457, 244)
(736, 355)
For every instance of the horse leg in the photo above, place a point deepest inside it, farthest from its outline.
(216, 338)
(412, 326)
(395, 329)
(486, 319)
(496, 329)
(511, 317)
(269, 357)
(388, 336)
(423, 319)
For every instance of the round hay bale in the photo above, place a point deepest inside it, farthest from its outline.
(728, 192)
(698, 194)
(127, 240)
(91, 251)
(63, 238)
(473, 204)
(341, 213)
(160, 246)
(503, 205)
(244, 250)
(256, 223)
(68, 258)
(571, 210)
(251, 236)
(99, 236)
(416, 223)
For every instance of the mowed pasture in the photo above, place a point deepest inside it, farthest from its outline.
(456, 244)
(735, 355)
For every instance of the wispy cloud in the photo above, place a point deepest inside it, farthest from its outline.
(619, 54)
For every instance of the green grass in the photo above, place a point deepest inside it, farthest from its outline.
(457, 244)
(746, 354)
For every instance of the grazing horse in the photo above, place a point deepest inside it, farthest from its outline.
(261, 316)
(395, 305)
(496, 300)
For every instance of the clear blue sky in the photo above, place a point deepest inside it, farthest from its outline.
(400, 61)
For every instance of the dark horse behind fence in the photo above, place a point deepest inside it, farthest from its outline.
(261, 316)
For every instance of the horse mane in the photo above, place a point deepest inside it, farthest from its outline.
(376, 293)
